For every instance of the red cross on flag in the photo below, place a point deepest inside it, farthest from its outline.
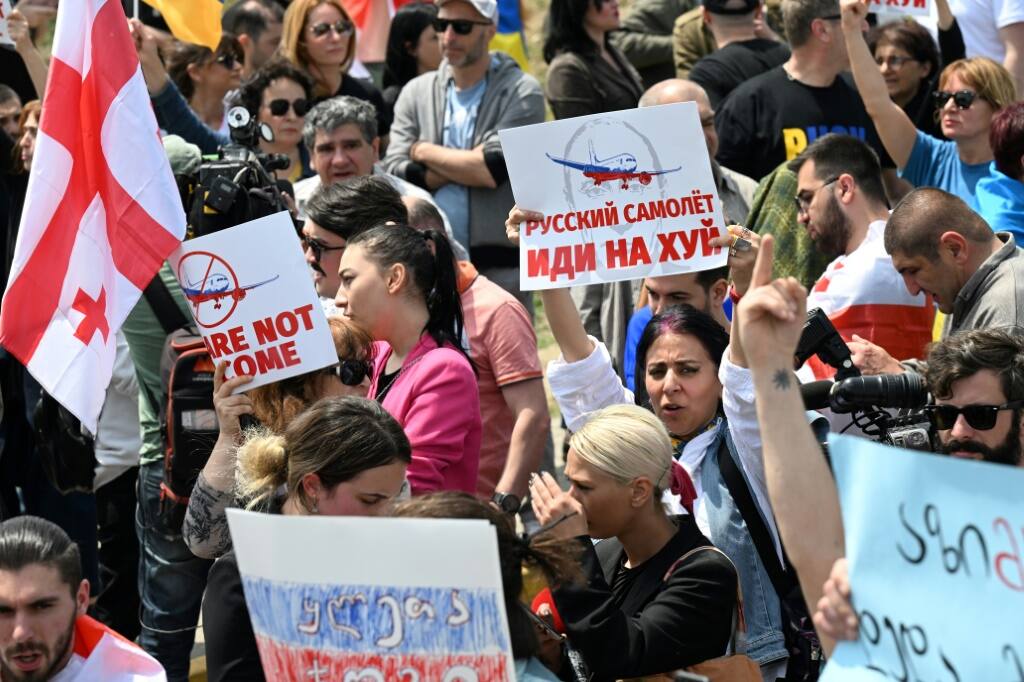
(101, 214)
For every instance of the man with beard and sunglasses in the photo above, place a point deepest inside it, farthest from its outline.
(44, 632)
(841, 202)
(445, 134)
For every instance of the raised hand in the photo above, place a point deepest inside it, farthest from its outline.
(517, 217)
(743, 245)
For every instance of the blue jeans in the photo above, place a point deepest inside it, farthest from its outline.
(171, 581)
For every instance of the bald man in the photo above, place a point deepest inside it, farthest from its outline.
(943, 248)
(735, 190)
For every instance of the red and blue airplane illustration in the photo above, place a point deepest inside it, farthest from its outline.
(216, 288)
(621, 167)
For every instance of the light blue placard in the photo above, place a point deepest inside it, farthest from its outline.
(934, 546)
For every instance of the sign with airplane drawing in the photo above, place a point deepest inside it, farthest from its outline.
(248, 290)
(625, 195)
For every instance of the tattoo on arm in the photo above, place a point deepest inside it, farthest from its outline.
(781, 379)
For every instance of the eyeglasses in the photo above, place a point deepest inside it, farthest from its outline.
(895, 63)
(980, 417)
(228, 61)
(351, 372)
(462, 27)
(279, 107)
(341, 27)
(962, 98)
(318, 247)
(803, 199)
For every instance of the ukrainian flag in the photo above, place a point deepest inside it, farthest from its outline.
(193, 21)
(509, 38)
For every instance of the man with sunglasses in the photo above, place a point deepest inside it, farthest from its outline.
(841, 202)
(445, 134)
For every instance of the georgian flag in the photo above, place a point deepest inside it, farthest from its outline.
(102, 211)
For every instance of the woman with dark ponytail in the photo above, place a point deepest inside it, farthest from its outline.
(400, 284)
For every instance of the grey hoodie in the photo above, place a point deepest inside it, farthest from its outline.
(512, 99)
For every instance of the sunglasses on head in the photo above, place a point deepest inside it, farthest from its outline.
(462, 27)
(279, 107)
(341, 27)
(351, 372)
(318, 247)
(228, 61)
(962, 98)
(980, 417)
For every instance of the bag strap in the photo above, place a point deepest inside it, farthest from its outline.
(783, 580)
(167, 312)
(739, 622)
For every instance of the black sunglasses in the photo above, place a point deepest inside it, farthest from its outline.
(980, 417)
(279, 107)
(341, 27)
(963, 98)
(462, 27)
(228, 61)
(318, 247)
(351, 372)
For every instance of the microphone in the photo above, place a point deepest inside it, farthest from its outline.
(816, 394)
(907, 390)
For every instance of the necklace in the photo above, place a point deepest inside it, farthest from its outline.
(384, 391)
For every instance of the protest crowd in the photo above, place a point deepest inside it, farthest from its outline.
(667, 492)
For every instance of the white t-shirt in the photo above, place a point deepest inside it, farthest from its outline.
(980, 21)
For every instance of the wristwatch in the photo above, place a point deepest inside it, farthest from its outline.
(507, 502)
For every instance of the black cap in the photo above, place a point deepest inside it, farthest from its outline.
(731, 6)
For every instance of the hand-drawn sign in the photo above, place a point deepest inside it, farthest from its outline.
(207, 278)
(621, 167)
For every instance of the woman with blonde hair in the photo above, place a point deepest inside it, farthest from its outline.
(649, 603)
(342, 457)
(970, 92)
(319, 37)
(274, 406)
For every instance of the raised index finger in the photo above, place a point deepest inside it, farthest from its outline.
(763, 265)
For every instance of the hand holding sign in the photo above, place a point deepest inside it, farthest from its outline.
(743, 246)
(230, 407)
(771, 315)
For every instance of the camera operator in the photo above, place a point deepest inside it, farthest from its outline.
(976, 376)
(943, 248)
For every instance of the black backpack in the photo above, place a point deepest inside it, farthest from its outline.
(806, 657)
(188, 421)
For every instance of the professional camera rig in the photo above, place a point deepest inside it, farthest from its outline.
(239, 186)
(869, 399)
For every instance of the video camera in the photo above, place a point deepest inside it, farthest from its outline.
(868, 398)
(239, 186)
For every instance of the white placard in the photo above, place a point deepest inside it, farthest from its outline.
(360, 598)
(249, 291)
(625, 195)
(913, 8)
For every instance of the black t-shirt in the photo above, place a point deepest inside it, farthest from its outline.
(365, 90)
(772, 118)
(724, 70)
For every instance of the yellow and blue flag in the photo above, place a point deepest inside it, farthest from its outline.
(510, 36)
(193, 21)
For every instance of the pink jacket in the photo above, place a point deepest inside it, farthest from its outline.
(436, 400)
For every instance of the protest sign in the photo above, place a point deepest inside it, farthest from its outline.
(249, 291)
(625, 195)
(915, 8)
(934, 548)
(374, 599)
(5, 11)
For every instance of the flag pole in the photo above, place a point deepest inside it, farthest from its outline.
(135, 9)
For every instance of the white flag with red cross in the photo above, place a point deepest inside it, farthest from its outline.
(102, 211)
